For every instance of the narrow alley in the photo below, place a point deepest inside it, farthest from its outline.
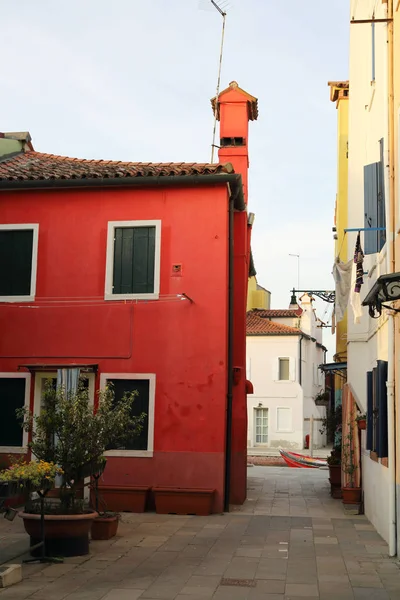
(290, 540)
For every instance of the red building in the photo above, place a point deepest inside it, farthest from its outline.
(137, 274)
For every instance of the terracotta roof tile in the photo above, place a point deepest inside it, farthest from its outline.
(30, 166)
(258, 325)
(278, 312)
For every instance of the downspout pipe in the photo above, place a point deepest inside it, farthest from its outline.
(229, 398)
(390, 268)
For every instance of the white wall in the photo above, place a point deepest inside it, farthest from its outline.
(367, 341)
(262, 369)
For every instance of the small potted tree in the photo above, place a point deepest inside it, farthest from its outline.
(351, 493)
(70, 434)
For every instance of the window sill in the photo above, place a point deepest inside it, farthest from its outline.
(13, 450)
(130, 453)
(17, 298)
(131, 296)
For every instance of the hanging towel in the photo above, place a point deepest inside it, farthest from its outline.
(357, 280)
(342, 275)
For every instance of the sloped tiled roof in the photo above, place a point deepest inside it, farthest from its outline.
(258, 325)
(279, 313)
(30, 166)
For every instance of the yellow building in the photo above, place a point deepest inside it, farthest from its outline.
(340, 95)
(257, 296)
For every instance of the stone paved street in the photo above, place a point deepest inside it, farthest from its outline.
(290, 541)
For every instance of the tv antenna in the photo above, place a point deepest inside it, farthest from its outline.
(220, 6)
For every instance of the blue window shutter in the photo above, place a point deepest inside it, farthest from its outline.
(370, 411)
(381, 198)
(370, 208)
(382, 447)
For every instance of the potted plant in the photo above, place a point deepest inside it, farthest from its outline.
(105, 526)
(70, 434)
(362, 421)
(322, 398)
(351, 493)
(22, 478)
(335, 471)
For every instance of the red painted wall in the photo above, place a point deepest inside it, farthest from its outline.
(184, 344)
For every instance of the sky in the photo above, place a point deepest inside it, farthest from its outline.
(132, 80)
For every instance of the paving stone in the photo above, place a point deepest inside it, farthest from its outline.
(301, 590)
(370, 594)
(364, 580)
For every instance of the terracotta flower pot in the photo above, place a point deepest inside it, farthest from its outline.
(362, 424)
(181, 501)
(351, 495)
(65, 535)
(335, 475)
(104, 528)
(122, 498)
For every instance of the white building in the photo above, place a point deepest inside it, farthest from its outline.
(368, 193)
(284, 350)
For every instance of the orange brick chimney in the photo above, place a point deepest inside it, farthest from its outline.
(235, 108)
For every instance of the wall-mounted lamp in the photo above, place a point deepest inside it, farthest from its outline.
(385, 289)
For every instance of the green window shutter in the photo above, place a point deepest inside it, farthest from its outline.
(139, 406)
(134, 260)
(12, 396)
(16, 262)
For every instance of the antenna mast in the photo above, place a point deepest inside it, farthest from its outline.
(220, 8)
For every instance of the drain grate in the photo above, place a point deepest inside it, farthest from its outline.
(239, 582)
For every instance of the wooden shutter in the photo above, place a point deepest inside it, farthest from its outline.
(375, 409)
(382, 445)
(381, 209)
(16, 262)
(370, 412)
(12, 396)
(139, 406)
(370, 208)
(134, 258)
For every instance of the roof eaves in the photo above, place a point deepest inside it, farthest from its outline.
(234, 179)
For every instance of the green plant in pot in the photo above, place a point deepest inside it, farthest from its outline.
(70, 434)
(362, 421)
(351, 493)
(322, 398)
(335, 471)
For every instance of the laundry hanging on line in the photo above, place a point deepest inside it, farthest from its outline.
(348, 280)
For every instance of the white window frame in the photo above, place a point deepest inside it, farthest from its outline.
(288, 380)
(112, 225)
(260, 408)
(278, 430)
(104, 377)
(25, 436)
(35, 228)
(39, 376)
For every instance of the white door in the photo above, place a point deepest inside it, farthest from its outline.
(260, 426)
